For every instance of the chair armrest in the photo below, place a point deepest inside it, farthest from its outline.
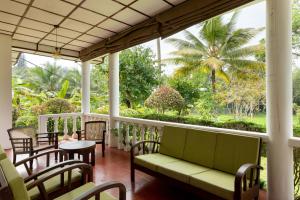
(62, 156)
(154, 147)
(100, 188)
(247, 181)
(87, 176)
(44, 171)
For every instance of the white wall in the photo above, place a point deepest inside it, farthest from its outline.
(5, 90)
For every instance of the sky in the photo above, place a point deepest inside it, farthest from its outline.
(250, 16)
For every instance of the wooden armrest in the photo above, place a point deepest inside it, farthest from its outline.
(62, 156)
(53, 167)
(154, 149)
(247, 181)
(86, 169)
(95, 192)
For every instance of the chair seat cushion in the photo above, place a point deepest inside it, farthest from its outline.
(2, 153)
(84, 188)
(53, 184)
(151, 161)
(181, 170)
(215, 182)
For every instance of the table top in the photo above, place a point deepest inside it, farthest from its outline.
(77, 145)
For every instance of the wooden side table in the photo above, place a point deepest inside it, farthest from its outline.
(84, 148)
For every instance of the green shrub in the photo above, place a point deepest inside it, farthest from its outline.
(27, 121)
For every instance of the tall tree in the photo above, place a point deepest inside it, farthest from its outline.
(138, 75)
(217, 49)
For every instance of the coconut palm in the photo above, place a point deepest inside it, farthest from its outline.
(219, 49)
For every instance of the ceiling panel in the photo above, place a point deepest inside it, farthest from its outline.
(71, 47)
(100, 32)
(33, 33)
(7, 27)
(51, 43)
(59, 38)
(6, 32)
(66, 32)
(25, 38)
(125, 1)
(43, 16)
(80, 43)
(12, 7)
(24, 1)
(130, 16)
(55, 6)
(89, 38)
(75, 25)
(176, 2)
(87, 16)
(73, 1)
(9, 18)
(105, 7)
(152, 7)
(113, 25)
(36, 25)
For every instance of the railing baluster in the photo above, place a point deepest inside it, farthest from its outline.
(56, 124)
(74, 135)
(120, 135)
(134, 131)
(127, 140)
(66, 136)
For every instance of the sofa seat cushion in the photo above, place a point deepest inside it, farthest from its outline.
(180, 170)
(151, 161)
(82, 189)
(215, 182)
(54, 183)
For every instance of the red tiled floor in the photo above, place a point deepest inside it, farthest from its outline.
(115, 167)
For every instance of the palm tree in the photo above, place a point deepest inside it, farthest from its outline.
(47, 78)
(219, 48)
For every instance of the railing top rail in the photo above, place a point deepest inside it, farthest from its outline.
(97, 115)
(264, 136)
(294, 142)
(62, 115)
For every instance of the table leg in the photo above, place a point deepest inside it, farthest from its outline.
(93, 157)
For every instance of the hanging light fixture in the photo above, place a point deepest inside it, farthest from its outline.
(56, 53)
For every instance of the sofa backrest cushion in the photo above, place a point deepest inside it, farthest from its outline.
(200, 147)
(2, 153)
(15, 181)
(232, 151)
(173, 141)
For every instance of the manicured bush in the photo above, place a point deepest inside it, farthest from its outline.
(165, 98)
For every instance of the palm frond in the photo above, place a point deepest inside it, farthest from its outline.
(239, 64)
(213, 63)
(195, 40)
(223, 75)
(180, 43)
(245, 51)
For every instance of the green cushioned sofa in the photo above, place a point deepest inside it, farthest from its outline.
(13, 187)
(221, 166)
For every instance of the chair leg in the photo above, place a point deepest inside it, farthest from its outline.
(132, 175)
(31, 161)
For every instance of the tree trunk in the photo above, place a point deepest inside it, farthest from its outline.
(128, 103)
(213, 80)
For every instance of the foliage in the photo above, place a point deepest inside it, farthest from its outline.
(296, 27)
(296, 86)
(217, 50)
(165, 98)
(54, 106)
(205, 106)
(138, 75)
(297, 171)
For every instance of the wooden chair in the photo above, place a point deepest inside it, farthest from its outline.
(95, 131)
(13, 186)
(25, 140)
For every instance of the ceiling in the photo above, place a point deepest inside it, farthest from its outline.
(82, 23)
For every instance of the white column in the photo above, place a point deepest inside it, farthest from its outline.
(114, 96)
(279, 100)
(6, 90)
(85, 87)
(85, 92)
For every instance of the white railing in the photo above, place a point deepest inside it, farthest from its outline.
(132, 130)
(69, 121)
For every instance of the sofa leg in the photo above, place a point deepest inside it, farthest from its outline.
(132, 175)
